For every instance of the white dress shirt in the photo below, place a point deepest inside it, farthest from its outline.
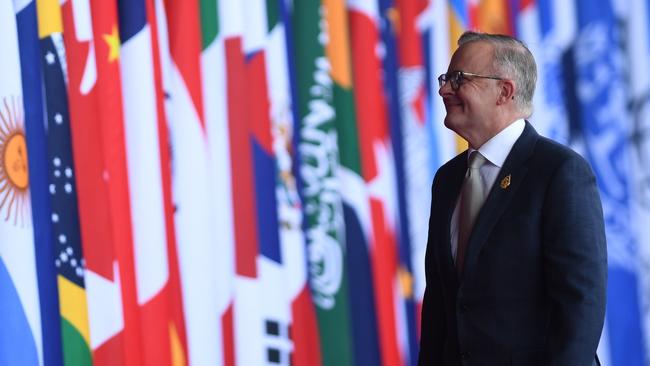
(495, 151)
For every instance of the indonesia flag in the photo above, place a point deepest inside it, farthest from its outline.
(378, 170)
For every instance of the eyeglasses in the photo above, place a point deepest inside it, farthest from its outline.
(458, 77)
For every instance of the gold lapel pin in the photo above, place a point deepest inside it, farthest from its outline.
(505, 182)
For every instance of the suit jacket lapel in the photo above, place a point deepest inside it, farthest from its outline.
(448, 196)
(499, 198)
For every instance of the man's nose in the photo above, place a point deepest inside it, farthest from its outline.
(445, 89)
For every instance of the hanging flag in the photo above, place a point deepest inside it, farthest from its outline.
(394, 24)
(378, 169)
(318, 156)
(433, 23)
(460, 20)
(30, 59)
(68, 258)
(21, 343)
(109, 271)
(413, 105)
(216, 343)
(300, 325)
(174, 315)
(491, 16)
(600, 94)
(235, 329)
(356, 208)
(304, 326)
(414, 150)
(262, 331)
(193, 180)
(114, 316)
(156, 266)
(638, 47)
(548, 28)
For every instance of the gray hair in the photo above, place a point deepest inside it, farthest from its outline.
(514, 59)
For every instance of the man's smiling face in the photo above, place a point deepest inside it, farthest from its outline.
(471, 107)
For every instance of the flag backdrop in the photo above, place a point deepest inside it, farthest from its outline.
(216, 182)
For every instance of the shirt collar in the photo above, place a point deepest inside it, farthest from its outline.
(496, 149)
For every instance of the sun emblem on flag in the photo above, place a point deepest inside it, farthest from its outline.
(14, 177)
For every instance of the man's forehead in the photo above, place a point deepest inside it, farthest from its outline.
(475, 54)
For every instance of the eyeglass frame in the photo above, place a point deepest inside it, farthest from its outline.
(459, 77)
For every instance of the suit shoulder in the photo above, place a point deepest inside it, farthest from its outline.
(556, 152)
(555, 155)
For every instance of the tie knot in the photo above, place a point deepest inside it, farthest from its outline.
(476, 160)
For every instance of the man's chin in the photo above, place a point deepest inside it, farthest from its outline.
(450, 123)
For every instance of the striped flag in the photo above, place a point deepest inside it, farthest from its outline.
(248, 342)
(218, 341)
(244, 231)
(32, 82)
(433, 22)
(378, 168)
(318, 157)
(460, 20)
(174, 316)
(63, 193)
(301, 346)
(107, 274)
(415, 151)
(273, 281)
(356, 208)
(193, 177)
(21, 343)
(156, 266)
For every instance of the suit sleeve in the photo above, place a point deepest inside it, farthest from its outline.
(433, 321)
(575, 264)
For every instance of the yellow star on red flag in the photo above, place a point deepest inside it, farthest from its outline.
(113, 42)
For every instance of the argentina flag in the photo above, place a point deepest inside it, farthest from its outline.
(21, 343)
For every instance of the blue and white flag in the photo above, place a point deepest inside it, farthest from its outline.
(636, 13)
(21, 340)
(548, 28)
(604, 123)
(32, 83)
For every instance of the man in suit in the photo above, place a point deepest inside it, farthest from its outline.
(516, 262)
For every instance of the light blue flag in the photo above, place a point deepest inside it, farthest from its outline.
(21, 336)
(30, 60)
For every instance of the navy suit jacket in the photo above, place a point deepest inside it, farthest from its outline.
(533, 287)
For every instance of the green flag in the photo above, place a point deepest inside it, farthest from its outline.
(319, 164)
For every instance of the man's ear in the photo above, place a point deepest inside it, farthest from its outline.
(507, 91)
